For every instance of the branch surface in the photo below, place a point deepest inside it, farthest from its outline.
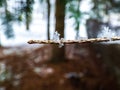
(92, 40)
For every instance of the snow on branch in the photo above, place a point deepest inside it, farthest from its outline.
(104, 36)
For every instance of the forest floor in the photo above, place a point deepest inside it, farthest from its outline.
(30, 68)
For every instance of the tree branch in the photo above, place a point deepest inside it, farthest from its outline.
(92, 40)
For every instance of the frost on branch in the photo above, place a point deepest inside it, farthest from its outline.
(57, 39)
(107, 32)
(104, 36)
(61, 44)
(56, 36)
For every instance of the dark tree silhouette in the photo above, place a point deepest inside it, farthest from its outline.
(48, 20)
(59, 53)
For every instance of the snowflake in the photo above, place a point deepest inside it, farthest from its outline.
(107, 32)
(56, 38)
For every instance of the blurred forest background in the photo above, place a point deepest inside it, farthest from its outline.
(91, 66)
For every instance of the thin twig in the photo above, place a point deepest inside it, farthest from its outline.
(92, 40)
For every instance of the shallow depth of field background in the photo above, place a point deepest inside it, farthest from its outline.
(90, 66)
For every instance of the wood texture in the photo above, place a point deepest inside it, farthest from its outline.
(92, 40)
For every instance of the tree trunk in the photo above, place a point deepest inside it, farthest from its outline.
(59, 15)
(48, 20)
(59, 53)
(93, 27)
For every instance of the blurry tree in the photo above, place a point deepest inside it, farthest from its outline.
(48, 20)
(74, 12)
(59, 53)
(23, 12)
(7, 19)
(28, 12)
(100, 11)
(48, 16)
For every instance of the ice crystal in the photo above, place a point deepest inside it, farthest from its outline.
(61, 44)
(106, 32)
(56, 38)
